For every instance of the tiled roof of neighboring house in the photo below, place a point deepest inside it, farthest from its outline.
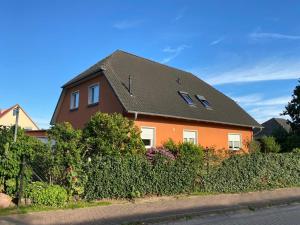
(3, 112)
(155, 90)
(271, 126)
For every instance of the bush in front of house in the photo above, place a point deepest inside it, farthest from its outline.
(112, 134)
(41, 193)
(132, 176)
(251, 172)
(268, 144)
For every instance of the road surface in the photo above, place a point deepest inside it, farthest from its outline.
(283, 215)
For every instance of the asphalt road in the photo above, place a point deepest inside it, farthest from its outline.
(284, 215)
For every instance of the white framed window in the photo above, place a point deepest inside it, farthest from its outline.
(94, 92)
(74, 100)
(234, 141)
(148, 136)
(190, 136)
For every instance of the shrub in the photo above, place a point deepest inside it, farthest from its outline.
(48, 195)
(296, 150)
(254, 146)
(269, 144)
(65, 166)
(185, 150)
(133, 175)
(153, 153)
(11, 154)
(112, 134)
(253, 172)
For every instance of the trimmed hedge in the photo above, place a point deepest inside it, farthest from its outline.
(253, 172)
(134, 176)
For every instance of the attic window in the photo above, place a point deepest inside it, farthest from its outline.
(203, 101)
(187, 98)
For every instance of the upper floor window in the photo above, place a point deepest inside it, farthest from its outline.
(93, 94)
(234, 141)
(203, 101)
(186, 97)
(74, 100)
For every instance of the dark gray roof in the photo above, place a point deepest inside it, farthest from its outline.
(155, 90)
(271, 126)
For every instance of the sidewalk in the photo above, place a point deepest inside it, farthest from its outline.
(158, 209)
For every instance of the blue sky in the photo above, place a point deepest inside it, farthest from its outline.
(250, 50)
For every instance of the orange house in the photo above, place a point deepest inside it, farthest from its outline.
(163, 101)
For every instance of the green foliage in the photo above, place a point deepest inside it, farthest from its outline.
(269, 144)
(112, 134)
(11, 154)
(48, 195)
(171, 146)
(296, 150)
(64, 162)
(252, 172)
(293, 110)
(191, 151)
(185, 150)
(132, 176)
(254, 146)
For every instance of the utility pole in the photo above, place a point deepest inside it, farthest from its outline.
(16, 114)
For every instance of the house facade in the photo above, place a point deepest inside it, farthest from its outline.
(7, 118)
(164, 103)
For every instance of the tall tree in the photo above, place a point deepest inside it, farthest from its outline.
(293, 110)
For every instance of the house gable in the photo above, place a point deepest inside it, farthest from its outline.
(8, 119)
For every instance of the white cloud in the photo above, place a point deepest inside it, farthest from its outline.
(217, 41)
(261, 108)
(272, 69)
(174, 52)
(126, 24)
(258, 100)
(263, 35)
(180, 14)
(262, 114)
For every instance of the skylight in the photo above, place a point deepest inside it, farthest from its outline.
(187, 98)
(203, 101)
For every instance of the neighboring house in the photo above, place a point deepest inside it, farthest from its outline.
(163, 101)
(272, 126)
(7, 118)
(39, 134)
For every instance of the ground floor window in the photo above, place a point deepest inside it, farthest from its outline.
(234, 141)
(190, 136)
(148, 135)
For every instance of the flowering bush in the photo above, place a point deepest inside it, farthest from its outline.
(154, 152)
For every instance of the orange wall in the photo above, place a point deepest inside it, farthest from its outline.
(108, 103)
(209, 135)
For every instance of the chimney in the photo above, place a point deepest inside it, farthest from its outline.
(130, 85)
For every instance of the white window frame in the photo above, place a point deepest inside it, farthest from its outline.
(154, 136)
(89, 93)
(234, 147)
(188, 130)
(72, 100)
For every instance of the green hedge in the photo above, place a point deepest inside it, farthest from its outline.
(134, 176)
(254, 172)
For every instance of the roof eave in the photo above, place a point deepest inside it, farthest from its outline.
(194, 119)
